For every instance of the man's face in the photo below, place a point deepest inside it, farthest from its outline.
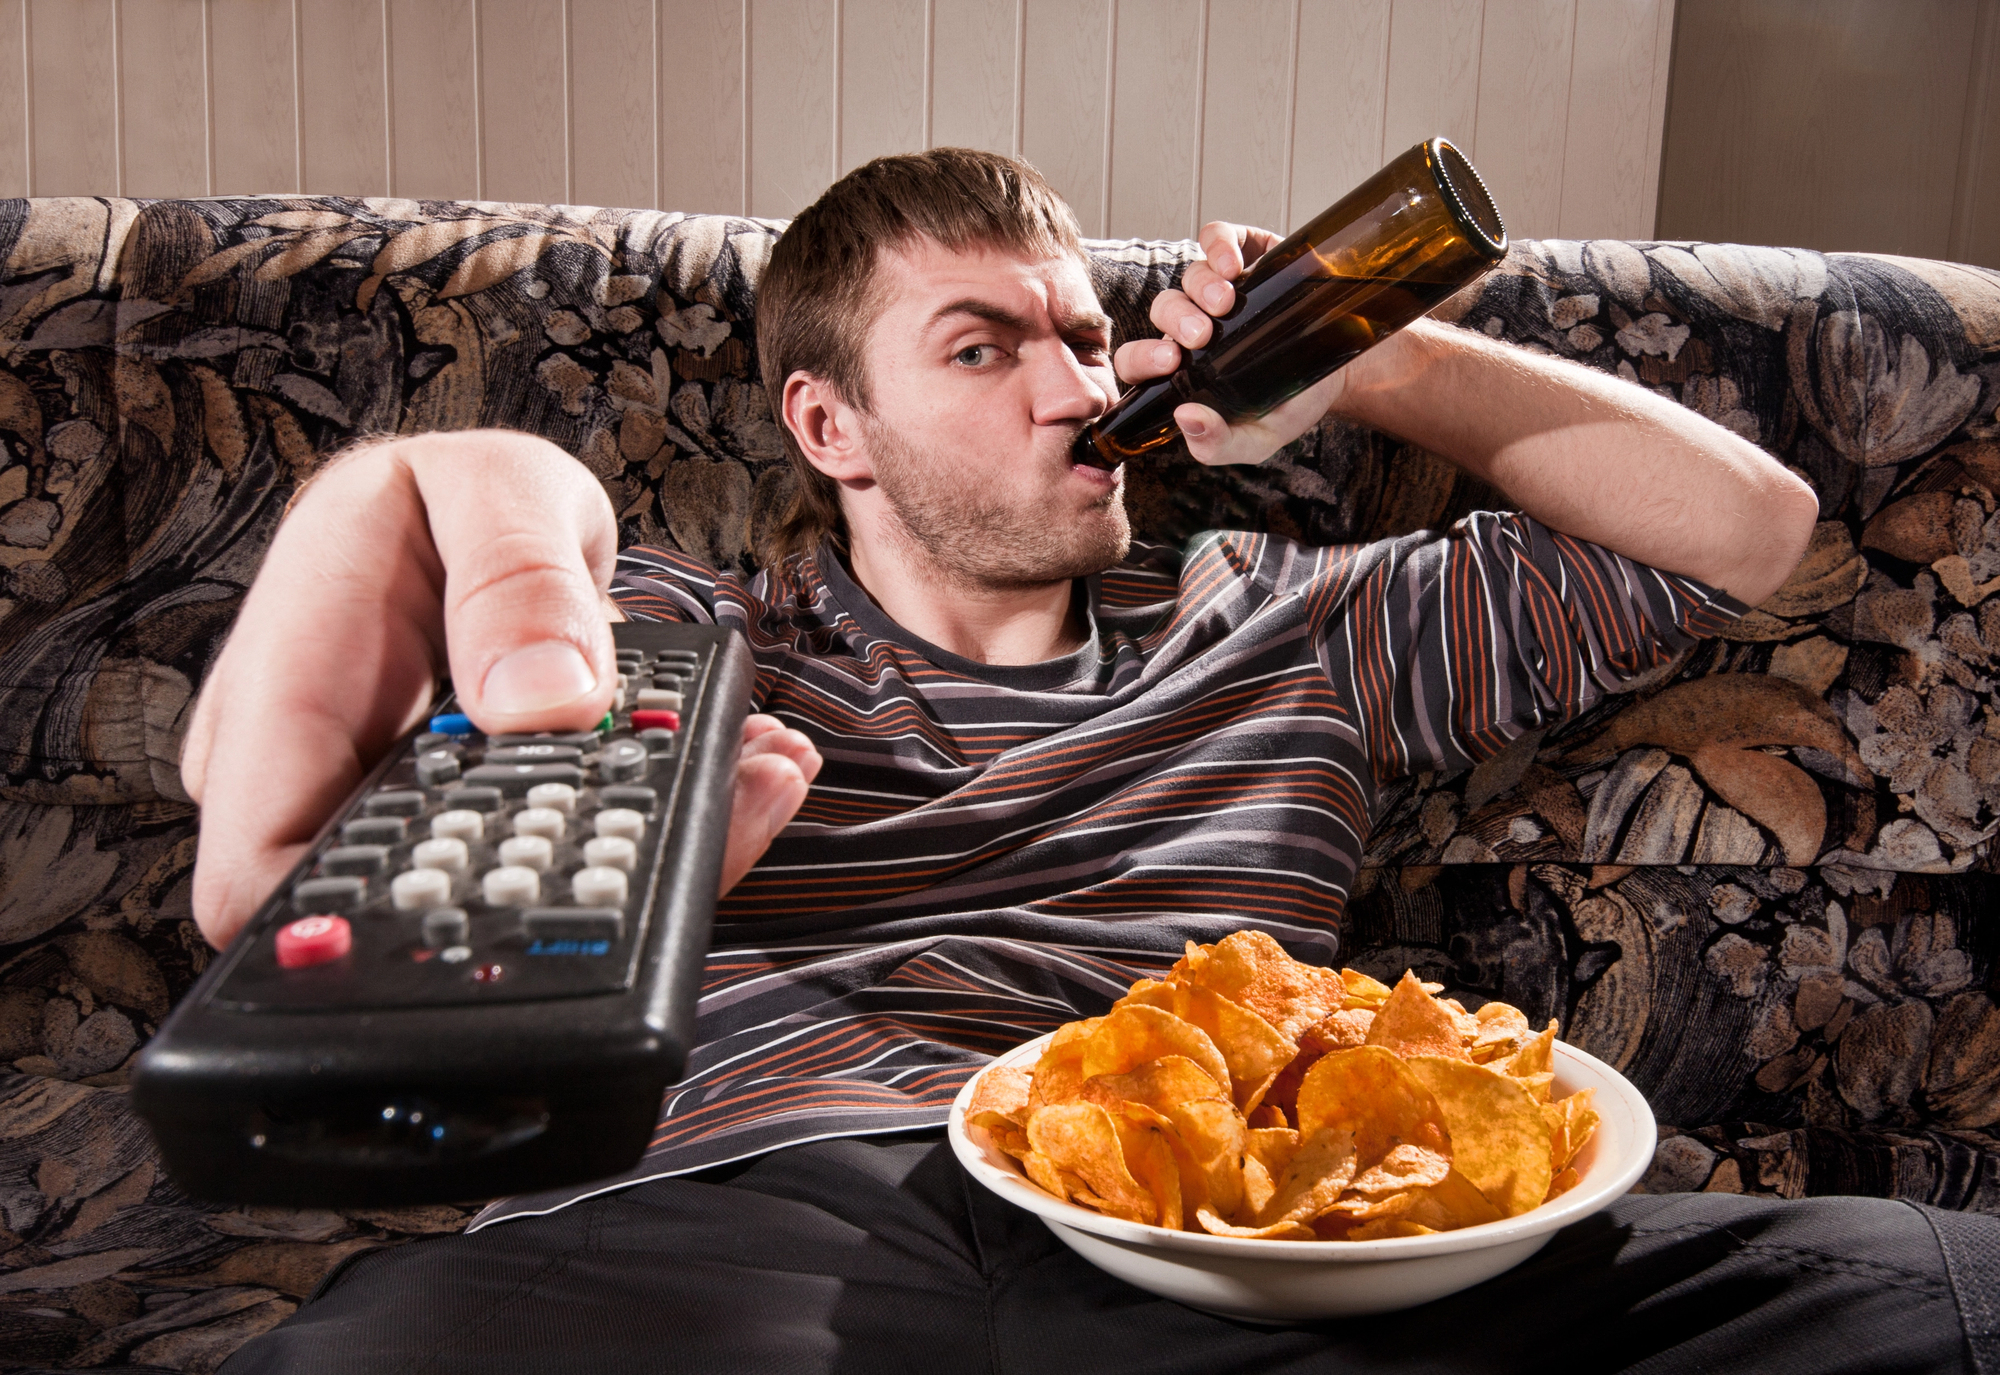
(982, 367)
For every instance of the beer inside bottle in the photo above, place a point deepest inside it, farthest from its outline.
(1392, 249)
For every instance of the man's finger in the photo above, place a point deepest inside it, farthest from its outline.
(1144, 359)
(1175, 316)
(770, 789)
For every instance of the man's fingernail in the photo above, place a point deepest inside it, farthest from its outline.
(1194, 429)
(1215, 296)
(1166, 353)
(1194, 324)
(537, 678)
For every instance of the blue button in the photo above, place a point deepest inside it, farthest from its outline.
(452, 723)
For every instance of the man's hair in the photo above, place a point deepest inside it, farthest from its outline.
(822, 289)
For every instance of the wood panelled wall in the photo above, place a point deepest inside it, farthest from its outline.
(1151, 116)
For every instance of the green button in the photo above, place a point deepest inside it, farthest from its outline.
(604, 726)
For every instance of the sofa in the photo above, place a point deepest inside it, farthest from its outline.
(1758, 882)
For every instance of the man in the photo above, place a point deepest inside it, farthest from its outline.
(1001, 767)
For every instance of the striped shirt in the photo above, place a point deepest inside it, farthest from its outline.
(989, 852)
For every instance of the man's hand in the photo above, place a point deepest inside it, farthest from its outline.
(482, 554)
(1183, 317)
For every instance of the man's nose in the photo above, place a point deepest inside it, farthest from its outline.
(1064, 389)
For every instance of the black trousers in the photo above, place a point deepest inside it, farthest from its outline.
(882, 1256)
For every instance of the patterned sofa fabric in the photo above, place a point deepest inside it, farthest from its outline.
(1758, 883)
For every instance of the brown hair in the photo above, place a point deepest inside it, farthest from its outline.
(820, 293)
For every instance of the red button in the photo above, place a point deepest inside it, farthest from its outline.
(646, 720)
(314, 940)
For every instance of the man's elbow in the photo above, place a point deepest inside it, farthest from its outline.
(1774, 537)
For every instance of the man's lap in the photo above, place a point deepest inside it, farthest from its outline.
(870, 1255)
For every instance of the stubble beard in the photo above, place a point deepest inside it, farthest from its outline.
(976, 541)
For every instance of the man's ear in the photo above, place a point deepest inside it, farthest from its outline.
(827, 429)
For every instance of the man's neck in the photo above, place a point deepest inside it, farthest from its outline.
(990, 625)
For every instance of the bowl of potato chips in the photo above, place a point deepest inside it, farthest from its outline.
(1273, 1140)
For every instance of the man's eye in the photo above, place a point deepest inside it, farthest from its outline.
(1091, 352)
(973, 355)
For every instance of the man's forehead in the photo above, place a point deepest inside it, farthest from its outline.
(927, 279)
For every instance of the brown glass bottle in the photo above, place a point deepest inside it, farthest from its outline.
(1391, 249)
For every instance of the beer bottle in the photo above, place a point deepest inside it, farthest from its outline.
(1390, 250)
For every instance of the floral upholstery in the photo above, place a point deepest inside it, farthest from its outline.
(1755, 883)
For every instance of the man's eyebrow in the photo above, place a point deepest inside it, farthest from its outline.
(1007, 319)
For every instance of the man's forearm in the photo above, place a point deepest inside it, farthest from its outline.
(1591, 455)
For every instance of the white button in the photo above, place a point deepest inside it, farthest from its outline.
(658, 699)
(455, 954)
(511, 886)
(615, 851)
(556, 797)
(419, 889)
(528, 852)
(598, 886)
(459, 825)
(621, 821)
(448, 854)
(539, 821)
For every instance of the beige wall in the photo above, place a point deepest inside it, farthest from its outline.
(1150, 115)
(1845, 125)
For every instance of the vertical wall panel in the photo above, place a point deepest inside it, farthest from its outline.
(1156, 120)
(342, 109)
(1345, 48)
(793, 115)
(1524, 66)
(253, 118)
(163, 97)
(882, 60)
(1246, 116)
(1656, 116)
(1434, 73)
(13, 101)
(433, 99)
(1604, 189)
(972, 73)
(1063, 101)
(612, 120)
(74, 103)
(523, 109)
(701, 106)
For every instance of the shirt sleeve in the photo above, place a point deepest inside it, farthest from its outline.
(1451, 647)
(655, 584)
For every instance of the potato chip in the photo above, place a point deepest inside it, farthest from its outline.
(1012, 1140)
(1080, 1138)
(1502, 1031)
(1258, 1186)
(1562, 1184)
(1059, 1073)
(1000, 1098)
(1386, 1227)
(1341, 1030)
(1355, 1207)
(1134, 1033)
(1149, 1159)
(1404, 1168)
(1371, 1092)
(1412, 1023)
(1312, 1179)
(1159, 1084)
(1362, 991)
(1207, 1141)
(1499, 1137)
(1253, 1049)
(1537, 1056)
(1277, 1231)
(1453, 1202)
(1251, 969)
(1269, 1115)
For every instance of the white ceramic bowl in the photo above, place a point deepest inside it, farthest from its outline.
(1284, 1281)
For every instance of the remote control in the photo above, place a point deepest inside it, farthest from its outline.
(482, 976)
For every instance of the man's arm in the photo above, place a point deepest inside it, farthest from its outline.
(484, 554)
(1583, 452)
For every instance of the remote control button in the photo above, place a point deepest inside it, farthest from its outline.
(511, 886)
(623, 654)
(557, 797)
(437, 767)
(462, 825)
(621, 760)
(528, 852)
(374, 830)
(600, 885)
(576, 740)
(395, 802)
(329, 896)
(313, 940)
(413, 890)
(614, 852)
(658, 699)
(446, 854)
(658, 739)
(430, 740)
(540, 752)
(540, 821)
(573, 923)
(649, 720)
(621, 821)
(640, 799)
(363, 860)
(451, 723)
(489, 973)
(475, 799)
(682, 656)
(445, 927)
(515, 779)
(457, 954)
